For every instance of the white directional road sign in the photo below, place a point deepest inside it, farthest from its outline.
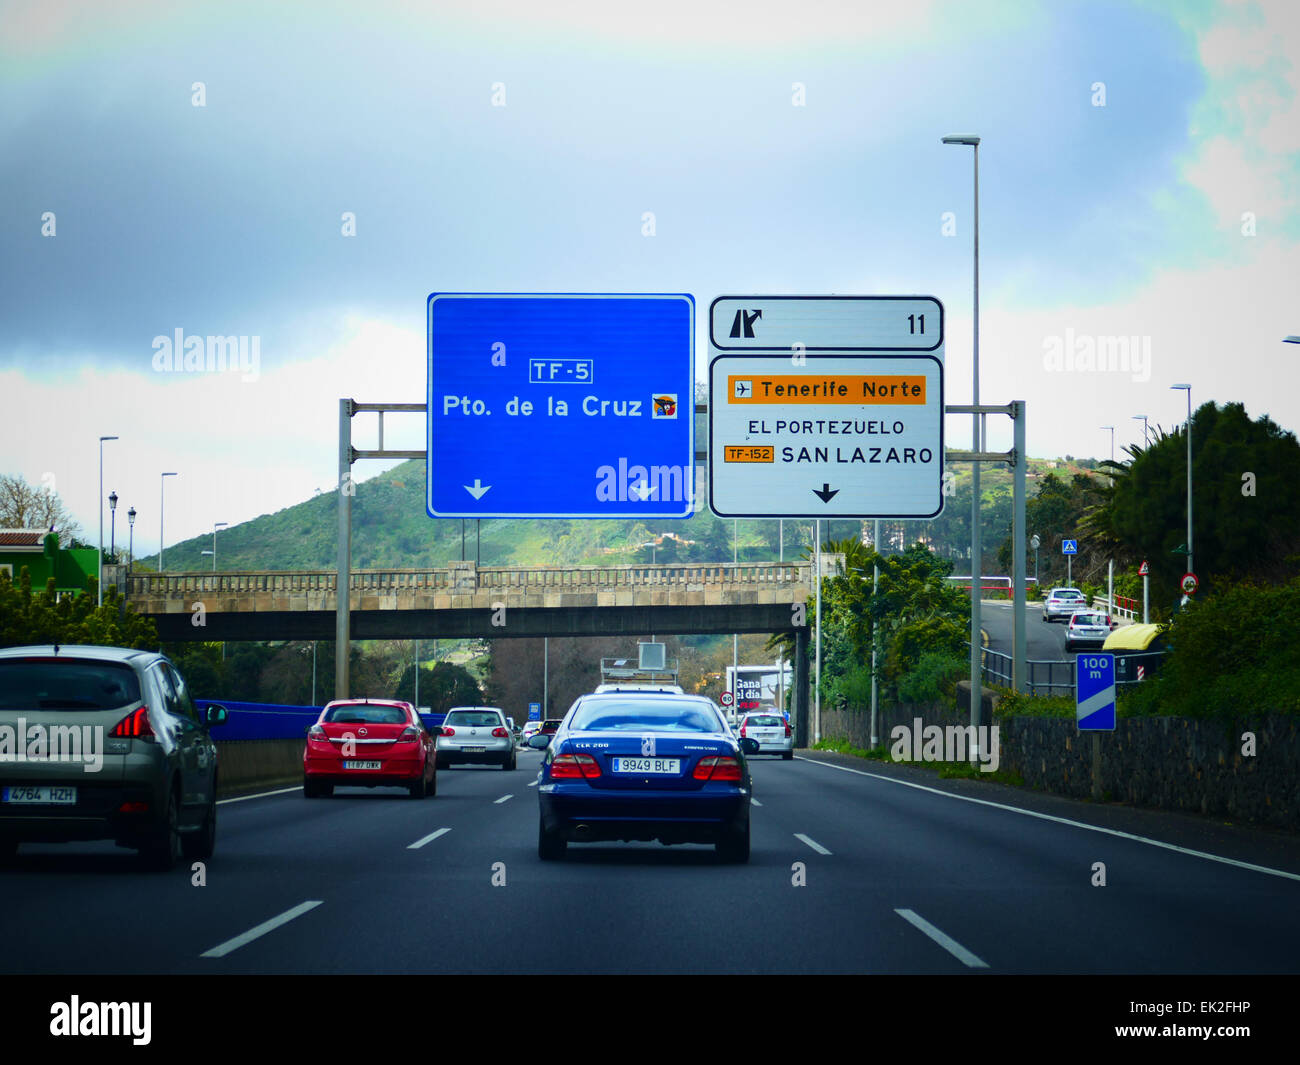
(1095, 692)
(1069, 547)
(835, 437)
(826, 406)
(826, 324)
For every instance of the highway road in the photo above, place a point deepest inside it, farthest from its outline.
(903, 873)
(1043, 641)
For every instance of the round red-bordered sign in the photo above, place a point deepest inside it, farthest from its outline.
(1188, 583)
(726, 698)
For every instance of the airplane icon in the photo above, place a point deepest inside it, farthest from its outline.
(744, 388)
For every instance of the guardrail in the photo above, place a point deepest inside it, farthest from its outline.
(1057, 677)
(1123, 607)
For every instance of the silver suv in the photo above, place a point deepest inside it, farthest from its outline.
(105, 743)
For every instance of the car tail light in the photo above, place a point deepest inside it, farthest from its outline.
(574, 766)
(408, 735)
(500, 733)
(447, 730)
(722, 767)
(787, 730)
(133, 808)
(742, 732)
(317, 732)
(135, 726)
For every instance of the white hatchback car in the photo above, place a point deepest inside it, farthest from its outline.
(770, 731)
(476, 735)
(1063, 603)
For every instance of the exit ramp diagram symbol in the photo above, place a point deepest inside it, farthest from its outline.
(743, 324)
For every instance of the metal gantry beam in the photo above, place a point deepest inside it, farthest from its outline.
(346, 490)
(1019, 461)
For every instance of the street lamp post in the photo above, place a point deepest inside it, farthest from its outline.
(162, 495)
(130, 551)
(112, 526)
(976, 577)
(215, 526)
(1110, 479)
(100, 506)
(1188, 389)
(1143, 419)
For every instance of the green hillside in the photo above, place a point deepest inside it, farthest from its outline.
(390, 529)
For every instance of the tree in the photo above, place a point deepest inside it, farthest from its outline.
(1246, 511)
(1057, 513)
(28, 617)
(23, 506)
(442, 687)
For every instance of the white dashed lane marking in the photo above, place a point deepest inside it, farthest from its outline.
(428, 839)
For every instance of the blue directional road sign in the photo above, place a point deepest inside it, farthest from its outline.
(1069, 547)
(534, 711)
(1095, 692)
(561, 406)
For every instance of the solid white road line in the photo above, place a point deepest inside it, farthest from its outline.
(261, 930)
(755, 802)
(947, 942)
(504, 798)
(812, 843)
(532, 783)
(259, 795)
(1064, 821)
(428, 839)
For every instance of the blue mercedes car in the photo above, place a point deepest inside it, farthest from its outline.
(628, 766)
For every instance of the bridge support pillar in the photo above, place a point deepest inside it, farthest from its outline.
(802, 703)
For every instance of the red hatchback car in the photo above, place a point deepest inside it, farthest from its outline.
(369, 743)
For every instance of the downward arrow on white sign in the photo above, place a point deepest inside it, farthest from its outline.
(478, 489)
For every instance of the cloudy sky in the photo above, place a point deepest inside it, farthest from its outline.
(193, 167)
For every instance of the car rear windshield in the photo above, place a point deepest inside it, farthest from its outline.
(659, 715)
(1088, 619)
(764, 720)
(364, 714)
(1067, 594)
(66, 684)
(474, 718)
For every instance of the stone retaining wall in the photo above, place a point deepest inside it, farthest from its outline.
(1172, 763)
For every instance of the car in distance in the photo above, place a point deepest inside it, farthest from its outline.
(530, 729)
(135, 762)
(772, 733)
(1062, 603)
(476, 735)
(369, 743)
(639, 686)
(628, 766)
(1087, 628)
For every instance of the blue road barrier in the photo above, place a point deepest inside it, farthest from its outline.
(271, 721)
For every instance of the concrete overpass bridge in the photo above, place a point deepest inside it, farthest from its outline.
(465, 600)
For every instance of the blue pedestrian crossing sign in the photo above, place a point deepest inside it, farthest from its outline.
(1069, 547)
(1095, 692)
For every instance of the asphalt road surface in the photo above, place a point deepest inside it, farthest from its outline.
(901, 872)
